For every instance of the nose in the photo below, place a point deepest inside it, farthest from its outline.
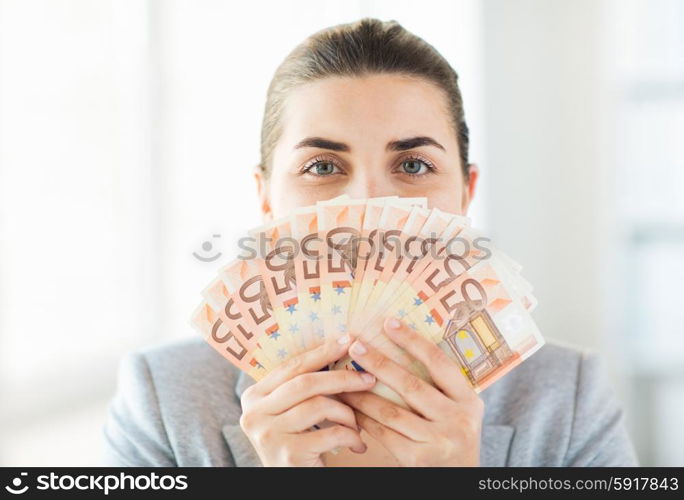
(368, 186)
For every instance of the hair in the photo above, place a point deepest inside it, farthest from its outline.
(361, 48)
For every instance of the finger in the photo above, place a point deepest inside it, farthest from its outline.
(315, 410)
(394, 442)
(387, 413)
(308, 361)
(308, 385)
(418, 394)
(446, 373)
(333, 437)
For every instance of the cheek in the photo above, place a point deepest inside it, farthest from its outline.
(443, 192)
(286, 194)
(448, 201)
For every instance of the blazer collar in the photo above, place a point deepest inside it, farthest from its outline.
(494, 446)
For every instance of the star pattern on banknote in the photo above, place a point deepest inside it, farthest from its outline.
(339, 290)
(313, 316)
(275, 335)
(401, 313)
(336, 309)
(429, 319)
(294, 328)
(316, 296)
(291, 308)
(282, 353)
(417, 301)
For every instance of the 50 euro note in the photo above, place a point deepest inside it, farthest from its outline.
(244, 282)
(436, 270)
(218, 298)
(339, 227)
(307, 263)
(390, 226)
(227, 341)
(380, 238)
(480, 322)
(457, 250)
(368, 241)
(407, 251)
(428, 244)
(279, 278)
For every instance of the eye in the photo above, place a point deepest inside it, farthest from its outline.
(321, 167)
(415, 167)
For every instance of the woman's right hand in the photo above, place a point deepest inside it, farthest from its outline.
(279, 410)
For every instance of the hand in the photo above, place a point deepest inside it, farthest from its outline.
(444, 428)
(279, 410)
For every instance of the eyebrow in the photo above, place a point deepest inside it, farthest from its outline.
(400, 145)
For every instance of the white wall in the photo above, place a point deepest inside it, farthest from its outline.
(584, 109)
(544, 143)
(128, 133)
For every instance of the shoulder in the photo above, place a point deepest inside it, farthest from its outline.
(188, 376)
(561, 403)
(550, 374)
(188, 365)
(171, 403)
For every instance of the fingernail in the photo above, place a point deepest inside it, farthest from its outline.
(393, 323)
(344, 339)
(368, 378)
(358, 348)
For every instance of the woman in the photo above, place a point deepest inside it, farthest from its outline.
(367, 109)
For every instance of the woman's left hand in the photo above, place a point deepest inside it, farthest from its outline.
(445, 426)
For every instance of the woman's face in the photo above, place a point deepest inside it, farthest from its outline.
(380, 135)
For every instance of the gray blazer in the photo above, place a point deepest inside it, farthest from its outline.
(179, 405)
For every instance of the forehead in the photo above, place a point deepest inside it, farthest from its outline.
(358, 109)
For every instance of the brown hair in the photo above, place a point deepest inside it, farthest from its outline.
(364, 47)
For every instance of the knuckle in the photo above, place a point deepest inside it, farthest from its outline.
(436, 356)
(319, 404)
(378, 429)
(412, 383)
(380, 362)
(443, 448)
(288, 455)
(247, 421)
(389, 412)
(349, 413)
(478, 405)
(263, 436)
(249, 395)
(467, 425)
(301, 382)
(293, 364)
(338, 432)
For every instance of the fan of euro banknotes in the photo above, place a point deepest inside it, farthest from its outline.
(344, 265)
